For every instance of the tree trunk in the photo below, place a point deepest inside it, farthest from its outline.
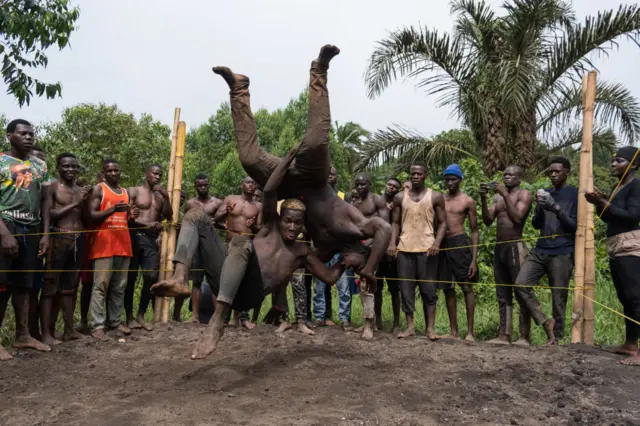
(524, 140)
(494, 143)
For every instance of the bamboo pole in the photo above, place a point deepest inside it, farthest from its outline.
(589, 255)
(157, 311)
(175, 205)
(583, 211)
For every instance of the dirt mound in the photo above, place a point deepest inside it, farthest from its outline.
(257, 378)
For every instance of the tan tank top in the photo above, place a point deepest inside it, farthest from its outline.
(417, 224)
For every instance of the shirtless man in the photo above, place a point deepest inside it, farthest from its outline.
(152, 201)
(254, 267)
(257, 195)
(388, 268)
(415, 212)
(511, 206)
(332, 223)
(243, 217)
(459, 253)
(210, 205)
(69, 211)
(370, 205)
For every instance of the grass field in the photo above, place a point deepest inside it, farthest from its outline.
(609, 328)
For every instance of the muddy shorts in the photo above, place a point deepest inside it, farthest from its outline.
(454, 263)
(64, 262)
(19, 270)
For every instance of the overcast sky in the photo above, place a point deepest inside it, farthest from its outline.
(152, 55)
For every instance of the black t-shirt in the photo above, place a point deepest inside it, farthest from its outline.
(623, 213)
(558, 232)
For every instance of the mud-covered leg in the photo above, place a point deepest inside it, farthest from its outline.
(313, 160)
(256, 161)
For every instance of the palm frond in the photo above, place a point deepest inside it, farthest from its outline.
(409, 52)
(400, 146)
(475, 25)
(615, 106)
(596, 35)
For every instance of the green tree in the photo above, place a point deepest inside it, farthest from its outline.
(27, 29)
(94, 132)
(514, 77)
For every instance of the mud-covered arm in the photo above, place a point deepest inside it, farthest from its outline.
(380, 231)
(270, 191)
(222, 212)
(316, 266)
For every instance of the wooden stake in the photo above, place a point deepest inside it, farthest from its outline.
(589, 255)
(157, 307)
(588, 99)
(175, 205)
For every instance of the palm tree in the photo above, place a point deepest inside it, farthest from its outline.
(513, 79)
(349, 137)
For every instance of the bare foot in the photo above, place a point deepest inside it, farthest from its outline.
(284, 326)
(194, 320)
(248, 325)
(367, 333)
(124, 329)
(133, 324)
(405, 334)
(4, 355)
(72, 335)
(359, 329)
(502, 340)
(319, 323)
(431, 334)
(329, 323)
(522, 342)
(207, 343)
(235, 81)
(548, 328)
(632, 360)
(630, 349)
(302, 328)
(346, 326)
(98, 334)
(47, 339)
(448, 336)
(170, 288)
(145, 325)
(327, 52)
(29, 342)
(470, 338)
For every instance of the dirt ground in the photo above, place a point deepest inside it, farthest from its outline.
(257, 378)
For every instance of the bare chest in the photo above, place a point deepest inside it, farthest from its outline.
(146, 200)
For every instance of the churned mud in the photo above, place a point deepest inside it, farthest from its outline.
(333, 378)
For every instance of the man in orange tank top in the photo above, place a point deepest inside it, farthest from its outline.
(414, 211)
(110, 252)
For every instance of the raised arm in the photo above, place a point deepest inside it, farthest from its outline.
(519, 210)
(270, 191)
(488, 213)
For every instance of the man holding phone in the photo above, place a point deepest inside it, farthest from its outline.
(511, 206)
(111, 250)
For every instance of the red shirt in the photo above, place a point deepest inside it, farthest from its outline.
(112, 238)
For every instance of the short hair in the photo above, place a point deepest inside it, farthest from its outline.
(64, 155)
(393, 178)
(363, 175)
(293, 204)
(11, 127)
(201, 176)
(561, 160)
(419, 164)
(109, 161)
(518, 167)
(155, 165)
